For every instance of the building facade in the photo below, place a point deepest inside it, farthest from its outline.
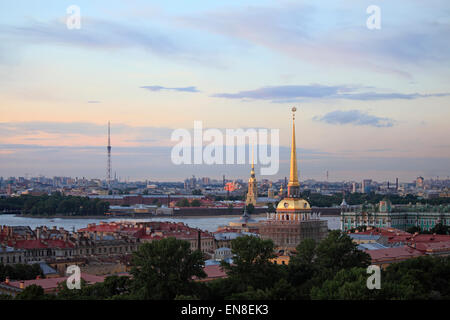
(385, 218)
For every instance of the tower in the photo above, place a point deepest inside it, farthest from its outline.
(294, 219)
(252, 192)
(292, 207)
(293, 185)
(108, 165)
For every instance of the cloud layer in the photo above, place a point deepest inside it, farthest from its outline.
(314, 91)
(355, 117)
(181, 89)
(333, 33)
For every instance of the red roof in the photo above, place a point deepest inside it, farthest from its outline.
(213, 272)
(399, 236)
(52, 283)
(434, 246)
(27, 244)
(389, 254)
(40, 244)
(385, 232)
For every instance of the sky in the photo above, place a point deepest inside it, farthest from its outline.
(372, 103)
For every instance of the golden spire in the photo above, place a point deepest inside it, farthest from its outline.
(293, 177)
(252, 173)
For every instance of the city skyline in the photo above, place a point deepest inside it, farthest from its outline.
(372, 103)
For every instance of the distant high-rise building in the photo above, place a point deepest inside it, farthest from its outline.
(366, 185)
(354, 187)
(396, 183)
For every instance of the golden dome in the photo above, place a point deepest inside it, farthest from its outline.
(293, 203)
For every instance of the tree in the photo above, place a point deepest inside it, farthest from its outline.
(20, 271)
(250, 208)
(424, 277)
(183, 203)
(252, 265)
(270, 207)
(196, 203)
(413, 229)
(440, 229)
(337, 251)
(347, 284)
(32, 292)
(302, 269)
(165, 269)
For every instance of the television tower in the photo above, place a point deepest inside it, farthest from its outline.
(108, 167)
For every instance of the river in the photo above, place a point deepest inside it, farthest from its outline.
(204, 223)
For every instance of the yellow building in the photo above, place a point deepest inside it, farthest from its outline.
(281, 259)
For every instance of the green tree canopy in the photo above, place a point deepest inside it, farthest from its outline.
(196, 203)
(32, 292)
(165, 269)
(252, 265)
(183, 203)
(337, 251)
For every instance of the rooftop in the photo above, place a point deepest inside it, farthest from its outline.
(397, 253)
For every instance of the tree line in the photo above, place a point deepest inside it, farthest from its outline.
(56, 203)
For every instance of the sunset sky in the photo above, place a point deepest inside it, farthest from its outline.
(371, 103)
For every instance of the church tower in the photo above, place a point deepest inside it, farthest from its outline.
(252, 193)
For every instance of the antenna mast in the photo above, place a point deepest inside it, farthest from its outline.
(108, 167)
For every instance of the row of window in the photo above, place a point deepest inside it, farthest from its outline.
(11, 259)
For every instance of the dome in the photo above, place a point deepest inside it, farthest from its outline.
(293, 203)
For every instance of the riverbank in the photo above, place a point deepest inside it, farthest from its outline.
(133, 216)
(59, 217)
